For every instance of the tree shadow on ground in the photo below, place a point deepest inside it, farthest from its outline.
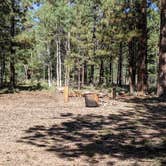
(131, 134)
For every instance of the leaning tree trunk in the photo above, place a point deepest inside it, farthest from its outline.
(161, 91)
(142, 67)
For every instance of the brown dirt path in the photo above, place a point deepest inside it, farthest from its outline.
(38, 129)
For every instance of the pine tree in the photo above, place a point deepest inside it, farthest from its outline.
(162, 54)
(4, 38)
(142, 57)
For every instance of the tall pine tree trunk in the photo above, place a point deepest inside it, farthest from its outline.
(79, 77)
(85, 73)
(60, 65)
(12, 51)
(1, 74)
(49, 65)
(82, 75)
(2, 67)
(67, 70)
(132, 66)
(92, 68)
(161, 91)
(49, 74)
(110, 72)
(101, 76)
(57, 64)
(120, 63)
(94, 43)
(142, 57)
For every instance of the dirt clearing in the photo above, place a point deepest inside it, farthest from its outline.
(38, 129)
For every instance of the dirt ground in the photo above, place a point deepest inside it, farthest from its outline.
(38, 129)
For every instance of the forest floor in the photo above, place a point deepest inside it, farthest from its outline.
(38, 129)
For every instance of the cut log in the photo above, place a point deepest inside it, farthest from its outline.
(91, 100)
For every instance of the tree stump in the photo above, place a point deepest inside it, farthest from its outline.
(91, 100)
(114, 93)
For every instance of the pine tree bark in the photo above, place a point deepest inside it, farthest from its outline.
(161, 90)
(79, 78)
(101, 76)
(94, 43)
(142, 57)
(49, 65)
(49, 74)
(132, 66)
(82, 75)
(57, 63)
(60, 65)
(91, 74)
(68, 51)
(12, 51)
(2, 67)
(1, 75)
(120, 63)
(85, 73)
(110, 71)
